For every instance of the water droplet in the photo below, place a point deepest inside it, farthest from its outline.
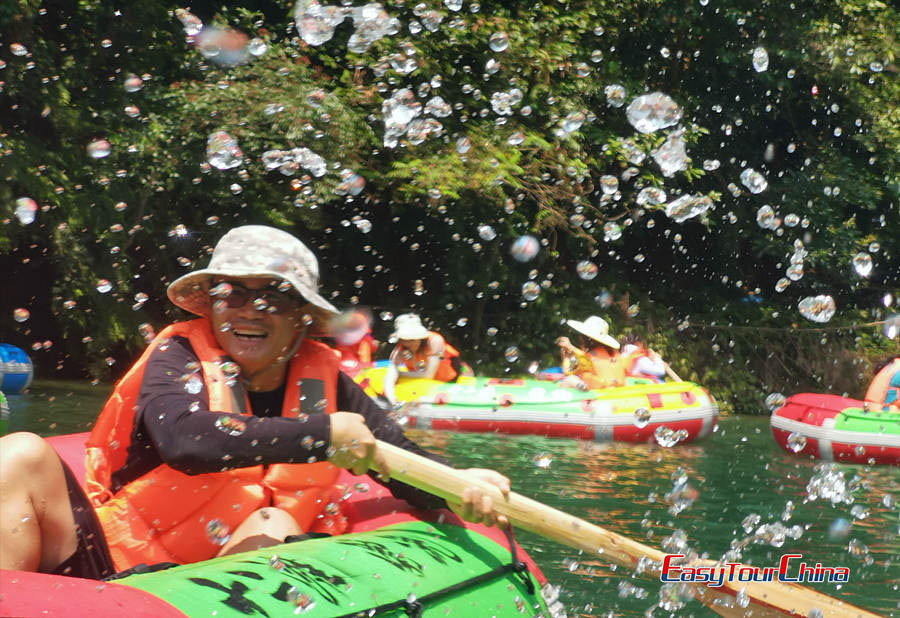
(672, 155)
(193, 384)
(133, 83)
(753, 180)
(857, 549)
(817, 308)
(862, 263)
(688, 206)
(586, 269)
(796, 442)
(230, 425)
(774, 401)
(542, 460)
(21, 314)
(760, 59)
(103, 286)
(668, 438)
(26, 210)
(525, 248)
(499, 41)
(530, 290)
(98, 149)
(222, 151)
(17, 49)
(486, 232)
(257, 47)
(652, 112)
(650, 196)
(511, 353)
(217, 531)
(641, 417)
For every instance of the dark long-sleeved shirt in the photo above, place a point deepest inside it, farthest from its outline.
(174, 425)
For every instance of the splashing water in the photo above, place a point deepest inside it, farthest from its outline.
(26, 210)
(223, 46)
(766, 219)
(828, 483)
(753, 180)
(530, 290)
(525, 248)
(499, 42)
(586, 270)
(615, 95)
(672, 156)
(760, 59)
(222, 151)
(817, 308)
(796, 442)
(99, 149)
(398, 111)
(687, 207)
(652, 112)
(774, 401)
(862, 264)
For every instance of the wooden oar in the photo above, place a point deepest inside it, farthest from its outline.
(732, 599)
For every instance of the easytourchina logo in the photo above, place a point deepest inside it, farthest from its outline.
(790, 569)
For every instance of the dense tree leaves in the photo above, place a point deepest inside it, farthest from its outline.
(531, 138)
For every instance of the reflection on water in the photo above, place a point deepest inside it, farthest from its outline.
(707, 490)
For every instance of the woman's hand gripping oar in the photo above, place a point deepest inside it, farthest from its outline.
(763, 598)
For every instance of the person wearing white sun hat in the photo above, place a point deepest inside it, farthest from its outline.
(419, 353)
(596, 362)
(236, 415)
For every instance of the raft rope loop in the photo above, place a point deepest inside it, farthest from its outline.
(414, 607)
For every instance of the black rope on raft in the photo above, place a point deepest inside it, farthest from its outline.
(416, 606)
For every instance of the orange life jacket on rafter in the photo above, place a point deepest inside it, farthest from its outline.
(608, 369)
(445, 371)
(168, 516)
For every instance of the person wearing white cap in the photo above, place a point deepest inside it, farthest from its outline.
(223, 437)
(596, 363)
(419, 353)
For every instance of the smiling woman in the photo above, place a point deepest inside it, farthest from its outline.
(236, 415)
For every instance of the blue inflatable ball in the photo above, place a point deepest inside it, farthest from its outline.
(16, 369)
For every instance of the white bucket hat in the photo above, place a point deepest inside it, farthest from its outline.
(253, 251)
(409, 326)
(596, 328)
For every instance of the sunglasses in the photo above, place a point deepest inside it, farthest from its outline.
(235, 295)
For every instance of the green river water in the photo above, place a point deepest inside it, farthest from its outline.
(640, 491)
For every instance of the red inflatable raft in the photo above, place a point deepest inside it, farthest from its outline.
(834, 428)
(466, 567)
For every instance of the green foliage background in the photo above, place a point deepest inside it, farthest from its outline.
(821, 124)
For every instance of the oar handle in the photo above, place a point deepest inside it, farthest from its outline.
(669, 371)
(768, 598)
(449, 484)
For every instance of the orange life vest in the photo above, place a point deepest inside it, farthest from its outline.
(416, 361)
(168, 516)
(885, 387)
(608, 370)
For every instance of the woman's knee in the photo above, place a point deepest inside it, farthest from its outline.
(24, 452)
(263, 528)
(273, 518)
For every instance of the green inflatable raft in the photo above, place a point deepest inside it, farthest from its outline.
(412, 568)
